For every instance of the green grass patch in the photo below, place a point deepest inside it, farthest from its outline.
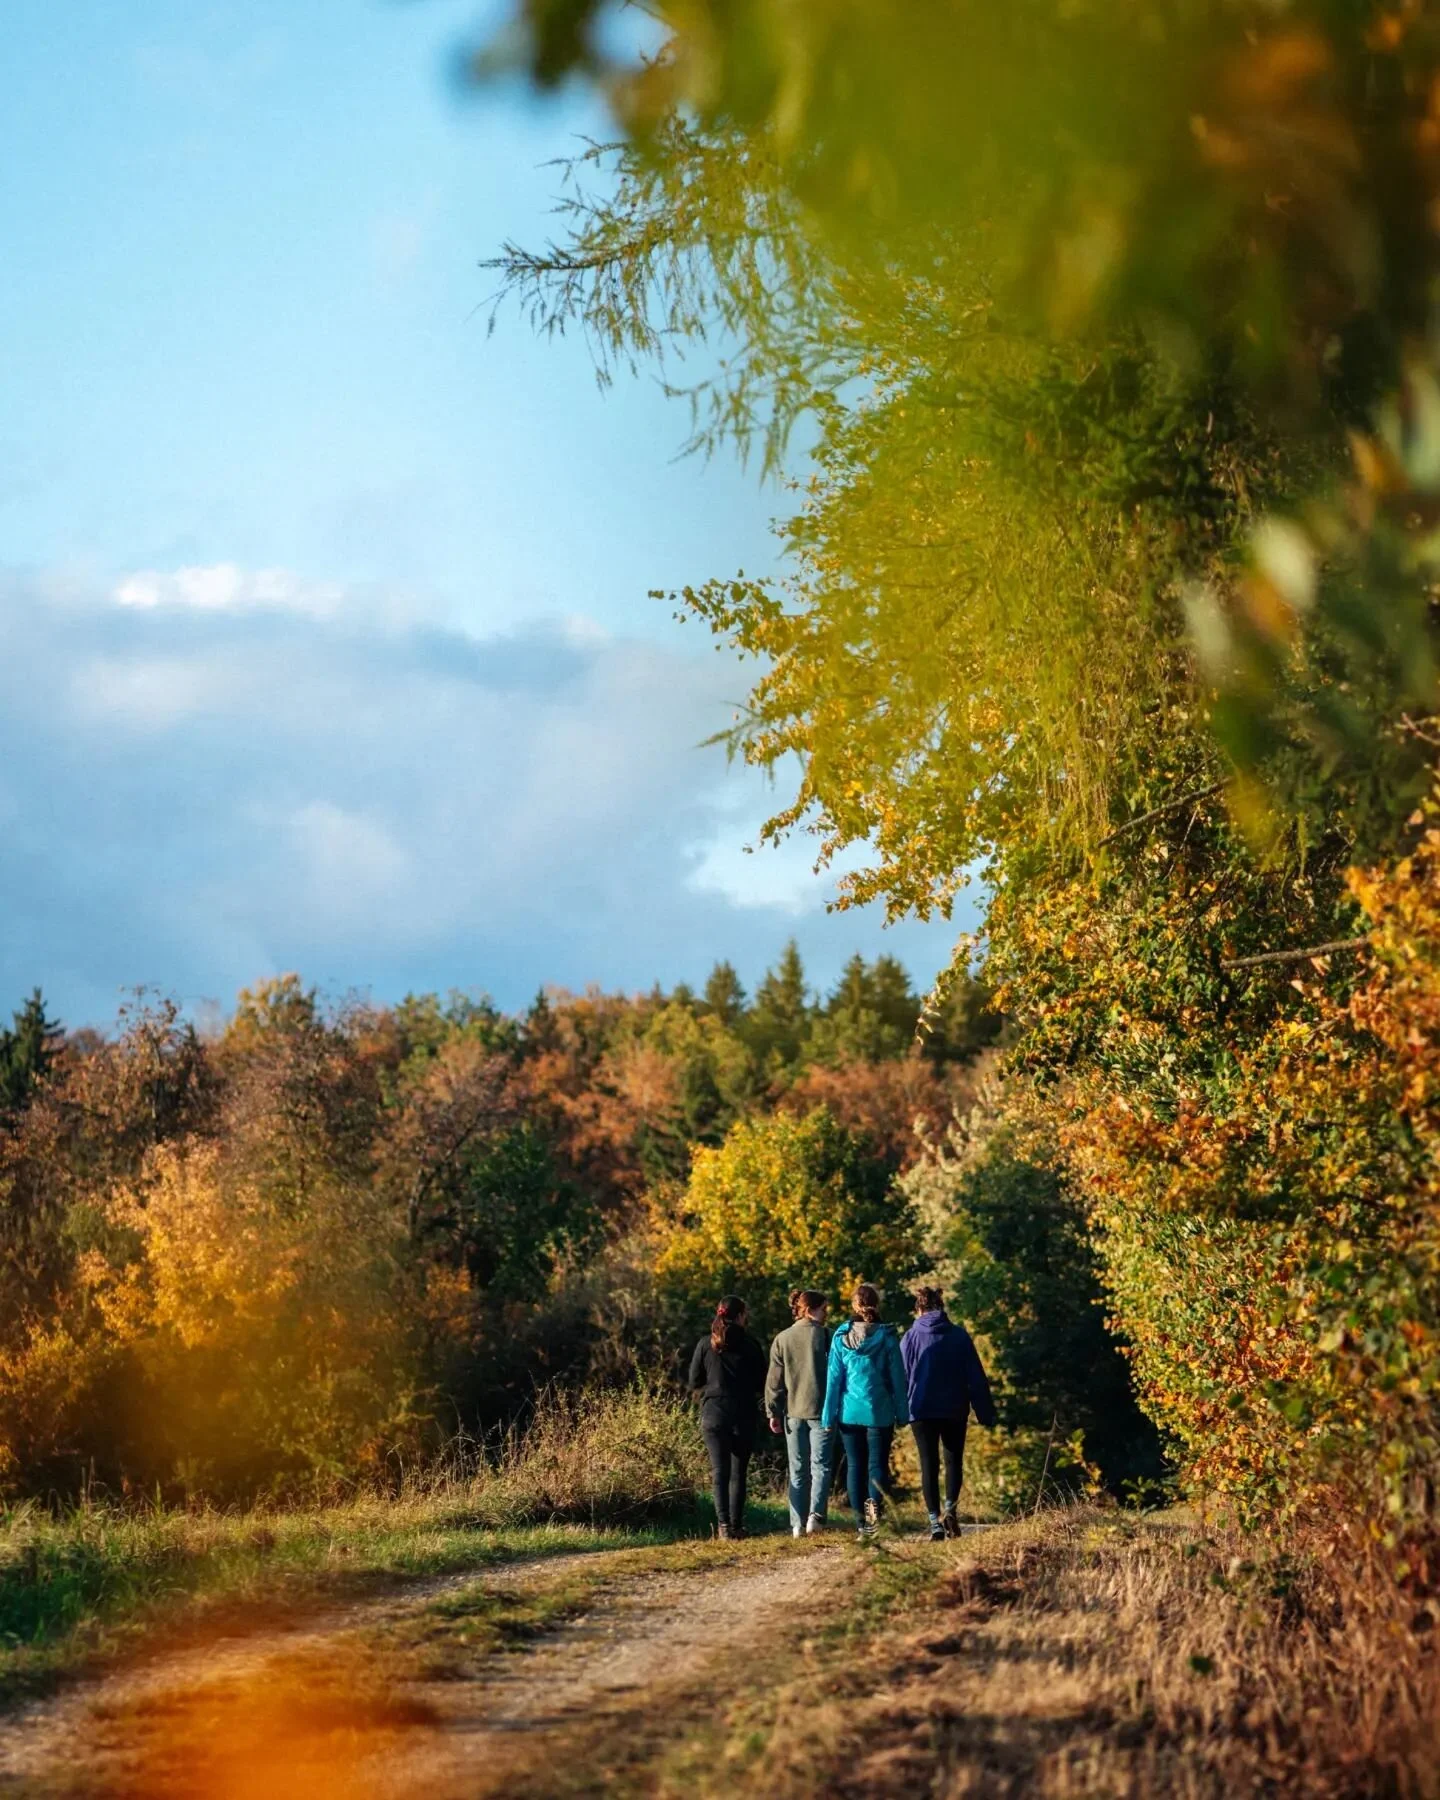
(592, 1471)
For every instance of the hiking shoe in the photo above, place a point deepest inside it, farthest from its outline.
(872, 1516)
(937, 1533)
(814, 1525)
(724, 1533)
(950, 1525)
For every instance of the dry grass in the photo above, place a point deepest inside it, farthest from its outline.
(610, 1457)
(1083, 1654)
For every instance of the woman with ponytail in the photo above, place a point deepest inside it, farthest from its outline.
(865, 1396)
(728, 1369)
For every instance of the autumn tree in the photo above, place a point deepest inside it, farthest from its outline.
(1112, 584)
(784, 1202)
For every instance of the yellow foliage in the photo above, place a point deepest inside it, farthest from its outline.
(784, 1202)
(230, 1337)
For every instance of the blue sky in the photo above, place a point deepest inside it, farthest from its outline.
(324, 632)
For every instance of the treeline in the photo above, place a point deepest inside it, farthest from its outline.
(278, 1253)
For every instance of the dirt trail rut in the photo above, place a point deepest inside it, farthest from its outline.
(358, 1702)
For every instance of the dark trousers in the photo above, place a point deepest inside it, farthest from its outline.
(867, 1462)
(729, 1442)
(930, 1436)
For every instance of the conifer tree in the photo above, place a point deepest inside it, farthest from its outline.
(27, 1051)
(724, 994)
(780, 1020)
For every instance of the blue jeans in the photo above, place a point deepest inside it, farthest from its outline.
(807, 1450)
(867, 1462)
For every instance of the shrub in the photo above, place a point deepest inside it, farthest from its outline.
(219, 1340)
(1013, 1253)
(598, 1457)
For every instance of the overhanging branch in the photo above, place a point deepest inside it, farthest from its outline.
(1301, 955)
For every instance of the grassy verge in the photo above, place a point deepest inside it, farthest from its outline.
(592, 1473)
(86, 1587)
(1080, 1653)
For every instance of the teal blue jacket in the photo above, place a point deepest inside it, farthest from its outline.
(865, 1382)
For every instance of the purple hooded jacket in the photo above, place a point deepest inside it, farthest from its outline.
(943, 1372)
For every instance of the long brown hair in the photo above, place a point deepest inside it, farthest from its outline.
(727, 1327)
(865, 1303)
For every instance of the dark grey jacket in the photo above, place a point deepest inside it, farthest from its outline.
(795, 1386)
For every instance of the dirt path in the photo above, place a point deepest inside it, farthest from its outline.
(410, 1695)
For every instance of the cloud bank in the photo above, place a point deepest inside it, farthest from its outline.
(208, 775)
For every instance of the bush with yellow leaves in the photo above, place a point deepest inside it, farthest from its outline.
(220, 1337)
(784, 1202)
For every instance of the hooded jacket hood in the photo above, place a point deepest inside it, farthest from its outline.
(864, 1337)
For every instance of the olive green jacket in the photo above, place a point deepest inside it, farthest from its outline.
(795, 1386)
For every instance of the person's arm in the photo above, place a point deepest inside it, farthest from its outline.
(909, 1356)
(698, 1373)
(775, 1386)
(834, 1384)
(981, 1399)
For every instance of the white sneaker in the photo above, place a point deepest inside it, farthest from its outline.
(814, 1525)
(797, 1531)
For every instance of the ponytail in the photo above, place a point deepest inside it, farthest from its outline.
(865, 1303)
(726, 1328)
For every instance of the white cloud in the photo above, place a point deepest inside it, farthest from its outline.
(213, 780)
(733, 864)
(225, 587)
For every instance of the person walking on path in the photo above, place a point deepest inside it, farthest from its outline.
(944, 1383)
(728, 1368)
(794, 1400)
(865, 1396)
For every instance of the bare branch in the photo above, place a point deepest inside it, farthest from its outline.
(1158, 812)
(1301, 955)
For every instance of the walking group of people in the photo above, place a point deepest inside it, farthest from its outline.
(856, 1386)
